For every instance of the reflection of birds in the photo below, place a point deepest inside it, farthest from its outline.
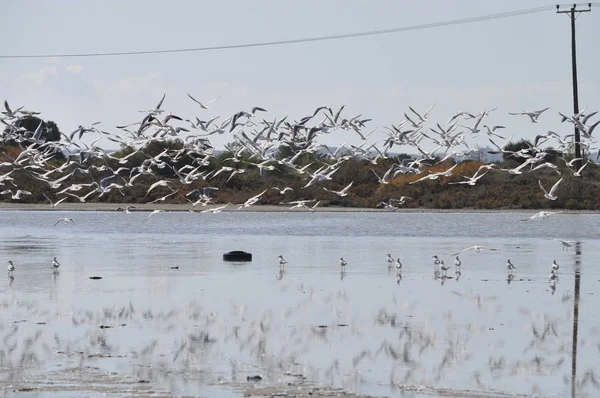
(552, 286)
(398, 277)
(457, 275)
(55, 263)
(444, 268)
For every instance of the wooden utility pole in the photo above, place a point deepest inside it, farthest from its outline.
(571, 13)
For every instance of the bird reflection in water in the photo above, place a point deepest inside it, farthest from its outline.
(509, 278)
(281, 273)
(398, 277)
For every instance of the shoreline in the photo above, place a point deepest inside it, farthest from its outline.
(173, 207)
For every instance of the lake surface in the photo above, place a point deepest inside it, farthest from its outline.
(211, 324)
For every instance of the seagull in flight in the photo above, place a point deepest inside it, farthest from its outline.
(534, 115)
(541, 214)
(65, 220)
(57, 202)
(566, 243)
(550, 195)
(282, 191)
(16, 195)
(153, 213)
(475, 248)
(343, 192)
(203, 106)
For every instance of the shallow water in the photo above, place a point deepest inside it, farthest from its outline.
(211, 322)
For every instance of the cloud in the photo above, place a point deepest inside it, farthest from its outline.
(40, 76)
(74, 68)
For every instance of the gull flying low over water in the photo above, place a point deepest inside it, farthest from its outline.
(542, 214)
(475, 248)
(566, 243)
(57, 202)
(65, 220)
(216, 209)
(153, 213)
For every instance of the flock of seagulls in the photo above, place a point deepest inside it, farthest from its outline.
(90, 172)
(440, 269)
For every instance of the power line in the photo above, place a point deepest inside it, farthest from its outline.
(460, 21)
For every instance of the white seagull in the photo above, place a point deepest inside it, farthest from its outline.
(390, 260)
(55, 263)
(284, 190)
(457, 263)
(476, 248)
(17, 195)
(534, 115)
(64, 219)
(555, 266)
(550, 195)
(153, 213)
(11, 267)
(343, 192)
(282, 261)
(343, 263)
(398, 264)
(510, 266)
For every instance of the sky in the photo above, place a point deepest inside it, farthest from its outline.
(515, 64)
